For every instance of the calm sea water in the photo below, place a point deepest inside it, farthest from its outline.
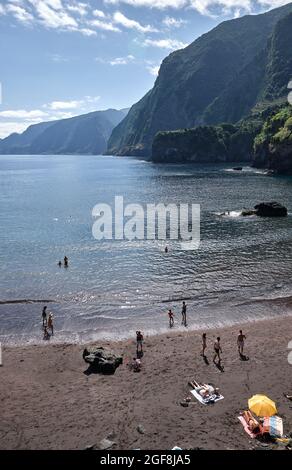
(242, 270)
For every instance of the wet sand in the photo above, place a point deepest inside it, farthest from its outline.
(48, 402)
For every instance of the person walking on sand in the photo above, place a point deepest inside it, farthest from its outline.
(240, 342)
(217, 350)
(66, 262)
(44, 316)
(50, 323)
(170, 316)
(184, 314)
(139, 341)
(204, 344)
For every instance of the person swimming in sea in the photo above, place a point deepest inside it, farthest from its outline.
(66, 262)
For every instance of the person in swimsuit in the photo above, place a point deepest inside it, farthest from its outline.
(66, 262)
(139, 341)
(184, 314)
(217, 350)
(204, 344)
(240, 342)
(44, 316)
(171, 320)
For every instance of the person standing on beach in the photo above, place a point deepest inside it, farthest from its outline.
(170, 316)
(217, 350)
(139, 341)
(240, 342)
(50, 323)
(44, 316)
(184, 314)
(204, 344)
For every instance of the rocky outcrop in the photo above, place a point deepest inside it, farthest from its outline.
(100, 360)
(273, 145)
(207, 144)
(270, 209)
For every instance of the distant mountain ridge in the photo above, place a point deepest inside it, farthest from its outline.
(85, 134)
(220, 77)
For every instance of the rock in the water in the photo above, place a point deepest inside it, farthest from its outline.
(270, 209)
(101, 360)
(247, 212)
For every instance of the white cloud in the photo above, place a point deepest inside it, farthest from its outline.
(72, 104)
(171, 22)
(56, 105)
(23, 114)
(106, 26)
(121, 19)
(86, 31)
(98, 13)
(79, 8)
(52, 15)
(122, 60)
(153, 69)
(171, 44)
(160, 4)
(19, 13)
(2, 11)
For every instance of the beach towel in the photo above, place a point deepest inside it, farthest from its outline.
(273, 425)
(206, 401)
(246, 428)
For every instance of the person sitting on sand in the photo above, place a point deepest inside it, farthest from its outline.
(139, 341)
(252, 423)
(170, 316)
(218, 350)
(240, 342)
(44, 316)
(50, 323)
(204, 344)
(136, 364)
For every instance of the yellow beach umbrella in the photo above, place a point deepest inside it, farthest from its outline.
(262, 405)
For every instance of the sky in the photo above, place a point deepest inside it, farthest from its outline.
(62, 58)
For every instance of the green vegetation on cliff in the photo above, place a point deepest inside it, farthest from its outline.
(273, 145)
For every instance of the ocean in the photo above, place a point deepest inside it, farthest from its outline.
(241, 271)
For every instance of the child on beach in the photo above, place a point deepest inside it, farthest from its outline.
(218, 350)
(170, 316)
(139, 341)
(50, 323)
(240, 342)
(204, 344)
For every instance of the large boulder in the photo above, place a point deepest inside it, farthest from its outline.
(270, 209)
(101, 360)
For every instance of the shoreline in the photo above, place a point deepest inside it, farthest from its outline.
(48, 402)
(178, 329)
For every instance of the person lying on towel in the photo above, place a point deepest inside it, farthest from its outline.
(253, 424)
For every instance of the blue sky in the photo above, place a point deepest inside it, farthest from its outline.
(61, 58)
